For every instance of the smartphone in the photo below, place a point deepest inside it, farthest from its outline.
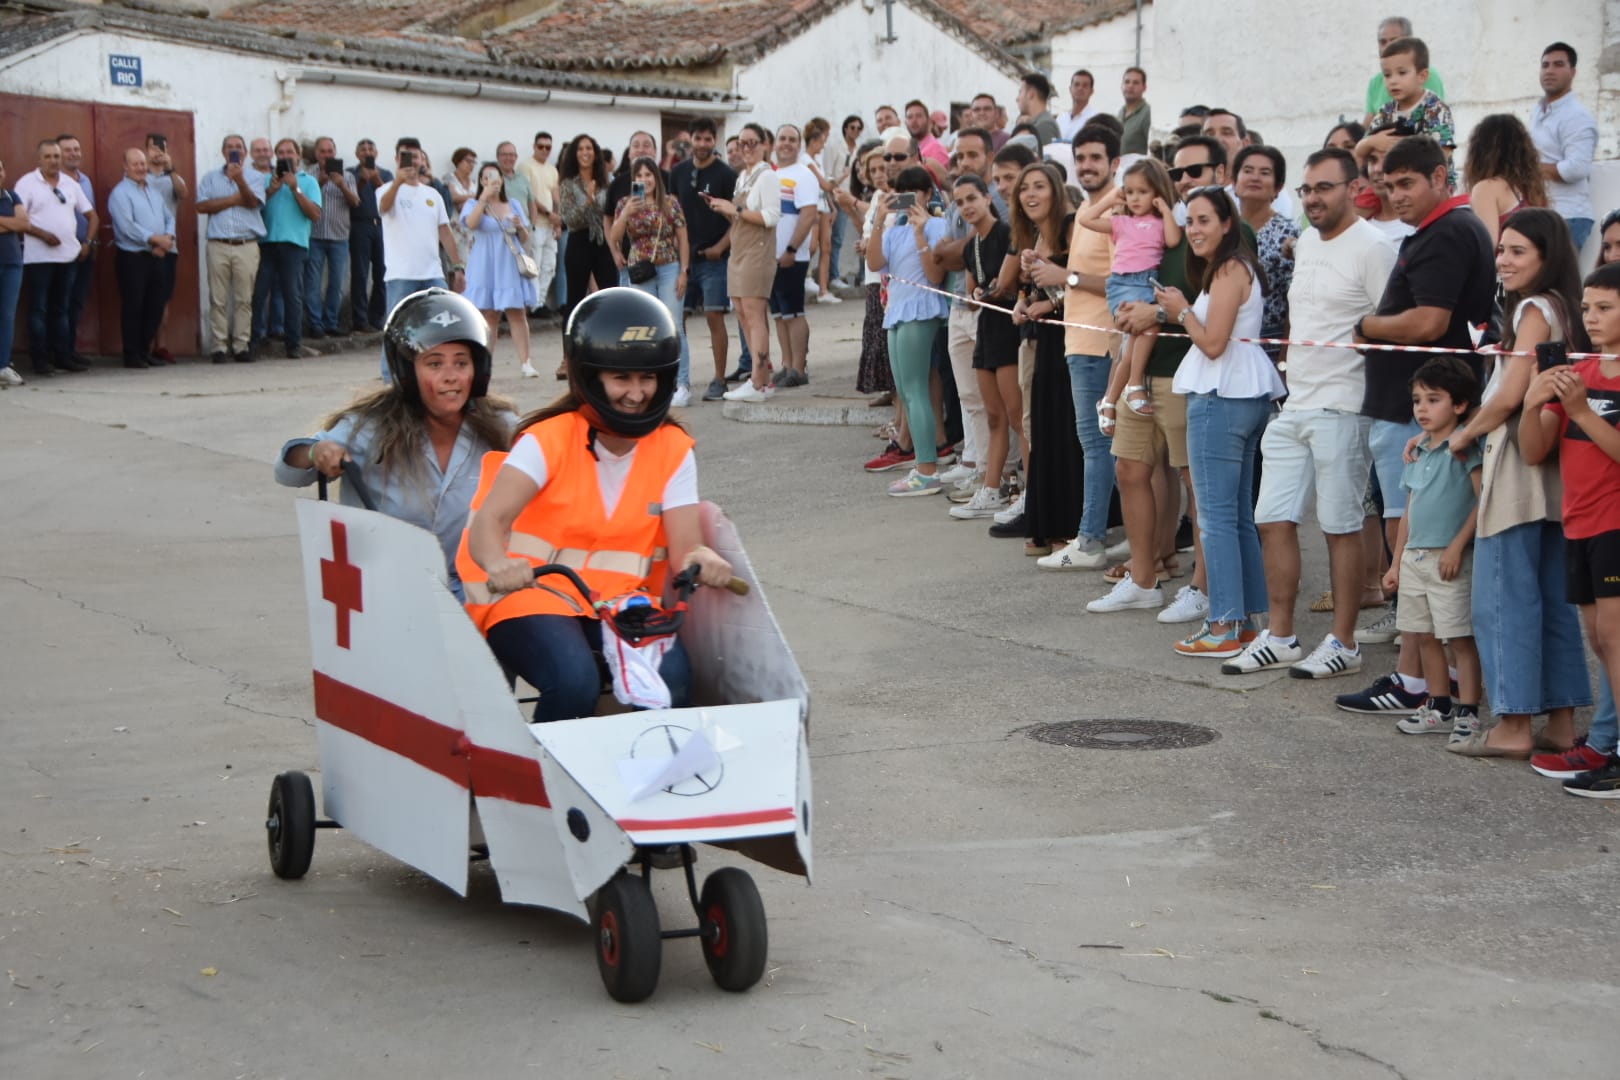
(161, 142)
(1153, 281)
(283, 166)
(236, 157)
(903, 202)
(638, 190)
(1551, 354)
(407, 159)
(369, 161)
(334, 165)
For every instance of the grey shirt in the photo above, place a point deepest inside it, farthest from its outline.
(334, 220)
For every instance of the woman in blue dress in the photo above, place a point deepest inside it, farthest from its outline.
(494, 284)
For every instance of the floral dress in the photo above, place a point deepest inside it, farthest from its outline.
(1279, 268)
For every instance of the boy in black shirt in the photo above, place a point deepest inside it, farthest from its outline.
(709, 235)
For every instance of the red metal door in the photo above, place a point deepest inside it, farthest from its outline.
(105, 132)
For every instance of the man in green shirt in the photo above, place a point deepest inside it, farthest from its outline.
(1136, 114)
(1390, 30)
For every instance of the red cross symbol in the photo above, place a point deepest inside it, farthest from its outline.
(340, 582)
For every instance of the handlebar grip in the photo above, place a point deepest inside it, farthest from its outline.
(738, 586)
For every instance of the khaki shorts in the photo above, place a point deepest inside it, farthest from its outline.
(1429, 605)
(1149, 438)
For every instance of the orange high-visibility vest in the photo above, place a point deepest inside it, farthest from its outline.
(566, 523)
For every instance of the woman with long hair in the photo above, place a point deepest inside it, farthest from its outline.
(582, 197)
(650, 219)
(418, 440)
(642, 145)
(494, 283)
(753, 210)
(1609, 238)
(869, 176)
(603, 479)
(1230, 386)
(1042, 224)
(1529, 637)
(1503, 171)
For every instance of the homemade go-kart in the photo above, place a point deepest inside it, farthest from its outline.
(426, 754)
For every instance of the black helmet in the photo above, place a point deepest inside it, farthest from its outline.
(428, 318)
(621, 329)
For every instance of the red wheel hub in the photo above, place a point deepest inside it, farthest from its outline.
(722, 939)
(610, 939)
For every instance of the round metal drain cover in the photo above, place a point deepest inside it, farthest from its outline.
(1123, 734)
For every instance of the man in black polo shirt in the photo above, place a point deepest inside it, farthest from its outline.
(709, 236)
(1444, 282)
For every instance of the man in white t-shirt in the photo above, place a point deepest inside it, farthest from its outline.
(801, 193)
(414, 225)
(50, 257)
(1071, 120)
(1319, 440)
(542, 177)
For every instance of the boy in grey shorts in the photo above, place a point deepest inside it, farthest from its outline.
(1433, 568)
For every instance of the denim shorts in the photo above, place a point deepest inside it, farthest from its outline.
(706, 286)
(1125, 288)
(1387, 442)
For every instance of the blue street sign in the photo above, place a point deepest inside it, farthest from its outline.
(124, 70)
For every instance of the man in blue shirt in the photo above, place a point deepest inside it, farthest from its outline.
(83, 270)
(143, 230)
(365, 239)
(292, 201)
(232, 197)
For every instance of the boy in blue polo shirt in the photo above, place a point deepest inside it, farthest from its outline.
(1433, 569)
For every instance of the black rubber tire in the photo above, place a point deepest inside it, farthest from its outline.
(629, 947)
(290, 825)
(735, 940)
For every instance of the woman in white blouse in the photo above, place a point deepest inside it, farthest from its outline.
(753, 212)
(1230, 386)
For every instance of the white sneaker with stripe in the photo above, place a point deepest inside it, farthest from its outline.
(1263, 652)
(1328, 659)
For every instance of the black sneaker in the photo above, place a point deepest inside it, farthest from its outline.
(1601, 783)
(1387, 695)
(220, 357)
(1010, 530)
(1184, 535)
(315, 332)
(740, 374)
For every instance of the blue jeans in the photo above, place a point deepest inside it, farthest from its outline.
(398, 290)
(50, 286)
(555, 654)
(663, 287)
(840, 225)
(84, 276)
(1529, 637)
(1223, 438)
(10, 289)
(1088, 382)
(559, 280)
(331, 256)
(1579, 229)
(1605, 734)
(281, 276)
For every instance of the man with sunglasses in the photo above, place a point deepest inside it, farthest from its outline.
(543, 180)
(50, 253)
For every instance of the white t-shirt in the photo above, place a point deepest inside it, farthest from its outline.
(800, 190)
(54, 215)
(1069, 125)
(411, 234)
(1394, 229)
(1335, 283)
(611, 473)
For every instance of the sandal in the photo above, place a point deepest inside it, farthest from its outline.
(1105, 417)
(1171, 566)
(1138, 401)
(1037, 547)
(1323, 603)
(1120, 571)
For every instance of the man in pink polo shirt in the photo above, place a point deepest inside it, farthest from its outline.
(920, 125)
(50, 253)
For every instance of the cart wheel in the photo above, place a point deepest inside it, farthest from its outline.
(734, 939)
(290, 825)
(629, 947)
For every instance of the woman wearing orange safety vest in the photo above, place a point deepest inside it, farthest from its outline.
(601, 480)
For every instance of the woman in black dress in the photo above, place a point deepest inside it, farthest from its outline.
(1041, 226)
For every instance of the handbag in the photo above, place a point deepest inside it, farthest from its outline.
(644, 270)
(526, 265)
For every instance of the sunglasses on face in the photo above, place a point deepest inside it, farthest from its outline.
(1194, 171)
(895, 157)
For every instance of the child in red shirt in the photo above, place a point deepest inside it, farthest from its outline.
(1575, 410)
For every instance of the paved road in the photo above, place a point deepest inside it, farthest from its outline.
(1309, 895)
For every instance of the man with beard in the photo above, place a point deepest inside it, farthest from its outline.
(710, 239)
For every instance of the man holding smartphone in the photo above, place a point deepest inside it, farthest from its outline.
(162, 178)
(292, 203)
(232, 197)
(366, 289)
(415, 223)
(328, 241)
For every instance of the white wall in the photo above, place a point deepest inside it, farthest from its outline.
(1105, 50)
(839, 66)
(1292, 69)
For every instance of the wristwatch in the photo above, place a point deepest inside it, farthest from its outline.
(457, 268)
(1073, 279)
(792, 250)
(1161, 316)
(1182, 318)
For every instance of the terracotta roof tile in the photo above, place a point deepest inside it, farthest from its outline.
(1024, 20)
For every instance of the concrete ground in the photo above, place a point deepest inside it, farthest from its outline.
(1311, 894)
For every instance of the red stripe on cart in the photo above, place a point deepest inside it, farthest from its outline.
(714, 821)
(499, 775)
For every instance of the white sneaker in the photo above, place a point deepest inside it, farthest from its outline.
(1127, 595)
(1263, 652)
(964, 491)
(957, 473)
(1189, 605)
(750, 393)
(682, 398)
(1077, 554)
(1013, 512)
(9, 376)
(829, 297)
(1121, 550)
(985, 502)
(1327, 660)
(1380, 632)
(810, 287)
(1427, 720)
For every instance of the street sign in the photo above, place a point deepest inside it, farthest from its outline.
(124, 70)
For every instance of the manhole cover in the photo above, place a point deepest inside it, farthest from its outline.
(1123, 734)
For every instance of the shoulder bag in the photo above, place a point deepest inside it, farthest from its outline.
(643, 270)
(526, 265)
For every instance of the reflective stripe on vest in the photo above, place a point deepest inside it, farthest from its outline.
(565, 523)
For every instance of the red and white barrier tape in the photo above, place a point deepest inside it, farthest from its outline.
(1488, 350)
